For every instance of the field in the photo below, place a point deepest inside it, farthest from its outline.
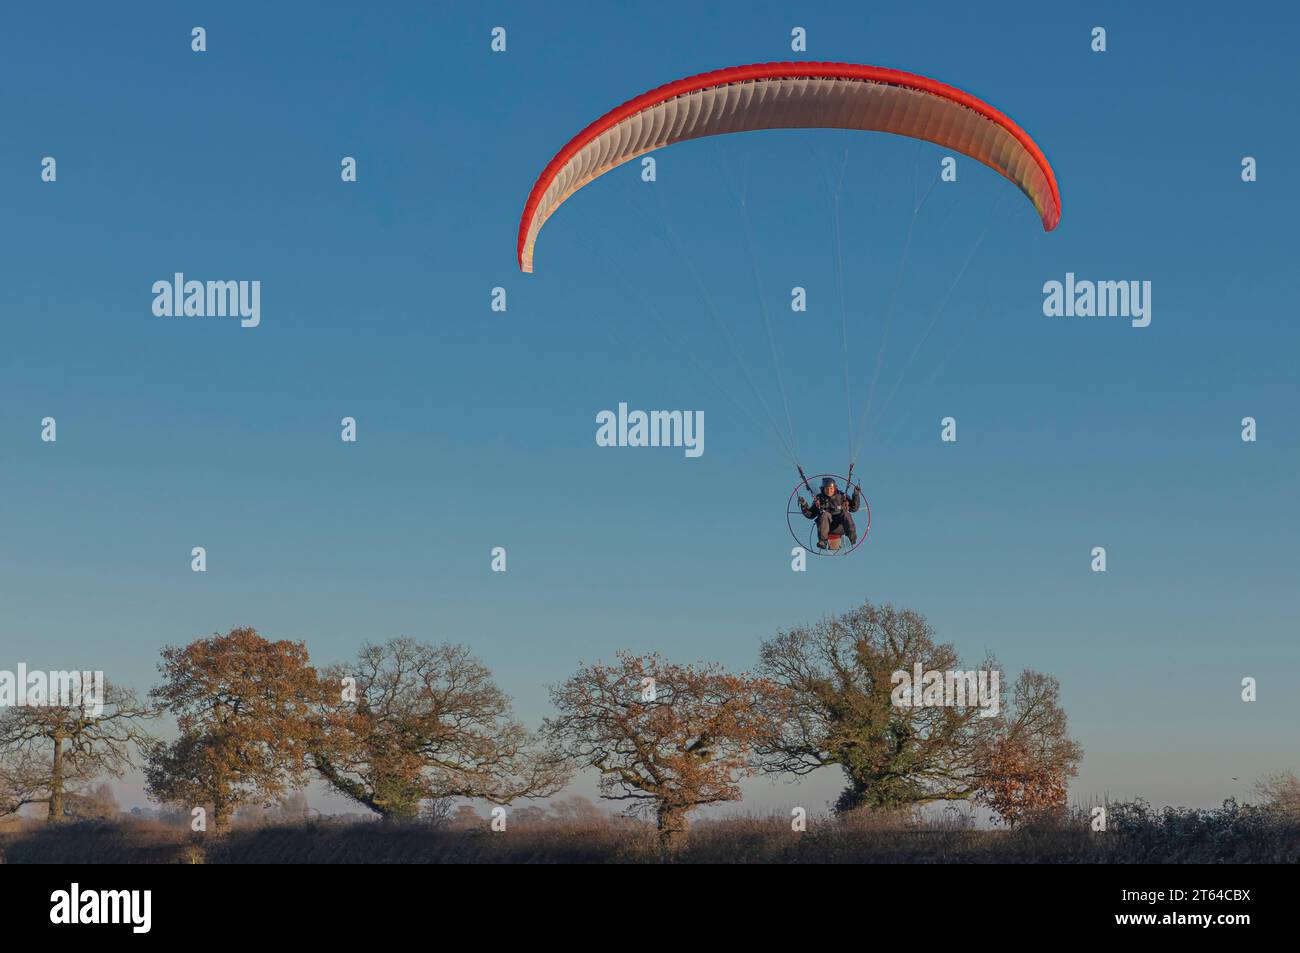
(1136, 834)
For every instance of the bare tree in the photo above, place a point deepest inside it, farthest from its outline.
(293, 806)
(96, 802)
(425, 722)
(579, 810)
(437, 812)
(77, 743)
(667, 738)
(1280, 791)
(465, 818)
(23, 780)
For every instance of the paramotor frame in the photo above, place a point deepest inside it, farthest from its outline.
(806, 536)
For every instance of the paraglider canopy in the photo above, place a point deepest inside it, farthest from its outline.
(792, 96)
(798, 95)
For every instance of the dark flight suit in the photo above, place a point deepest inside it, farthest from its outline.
(832, 514)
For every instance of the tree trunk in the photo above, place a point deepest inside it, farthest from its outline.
(852, 797)
(220, 816)
(672, 824)
(56, 781)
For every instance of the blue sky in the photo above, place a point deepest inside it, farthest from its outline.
(477, 428)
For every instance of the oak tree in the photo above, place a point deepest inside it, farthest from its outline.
(840, 672)
(245, 707)
(1025, 763)
(667, 738)
(411, 722)
(53, 750)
